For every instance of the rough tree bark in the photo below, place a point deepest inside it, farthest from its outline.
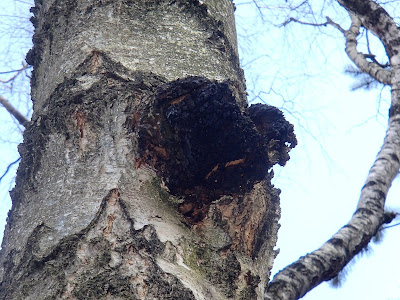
(323, 264)
(144, 175)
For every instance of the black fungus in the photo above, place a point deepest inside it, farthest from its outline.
(197, 138)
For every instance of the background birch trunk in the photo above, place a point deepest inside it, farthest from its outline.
(323, 264)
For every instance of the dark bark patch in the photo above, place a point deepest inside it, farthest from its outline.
(351, 227)
(369, 184)
(389, 216)
(362, 245)
(381, 194)
(249, 291)
(374, 204)
(336, 242)
(394, 157)
(193, 132)
(394, 110)
(364, 211)
(364, 9)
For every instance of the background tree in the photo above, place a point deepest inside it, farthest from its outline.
(325, 263)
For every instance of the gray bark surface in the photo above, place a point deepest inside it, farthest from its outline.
(93, 214)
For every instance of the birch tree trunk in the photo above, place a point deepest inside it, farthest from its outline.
(144, 175)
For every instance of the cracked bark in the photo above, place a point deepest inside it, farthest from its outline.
(294, 281)
(99, 208)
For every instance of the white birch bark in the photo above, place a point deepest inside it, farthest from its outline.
(91, 217)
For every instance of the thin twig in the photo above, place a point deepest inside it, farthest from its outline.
(372, 56)
(303, 23)
(328, 22)
(259, 9)
(18, 71)
(336, 25)
(373, 68)
(389, 226)
(8, 168)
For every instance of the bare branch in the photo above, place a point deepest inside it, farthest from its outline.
(328, 22)
(271, 7)
(259, 9)
(24, 66)
(336, 25)
(14, 112)
(372, 68)
(323, 264)
(390, 226)
(303, 23)
(17, 72)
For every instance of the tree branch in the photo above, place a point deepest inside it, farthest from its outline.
(376, 19)
(14, 112)
(359, 59)
(328, 22)
(17, 72)
(390, 226)
(374, 69)
(303, 23)
(8, 168)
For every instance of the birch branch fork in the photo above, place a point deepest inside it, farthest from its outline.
(323, 264)
(359, 59)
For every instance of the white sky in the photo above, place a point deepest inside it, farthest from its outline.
(339, 134)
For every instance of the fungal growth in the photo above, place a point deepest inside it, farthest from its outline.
(203, 145)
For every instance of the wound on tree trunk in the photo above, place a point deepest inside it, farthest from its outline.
(193, 132)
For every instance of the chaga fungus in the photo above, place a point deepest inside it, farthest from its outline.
(195, 135)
